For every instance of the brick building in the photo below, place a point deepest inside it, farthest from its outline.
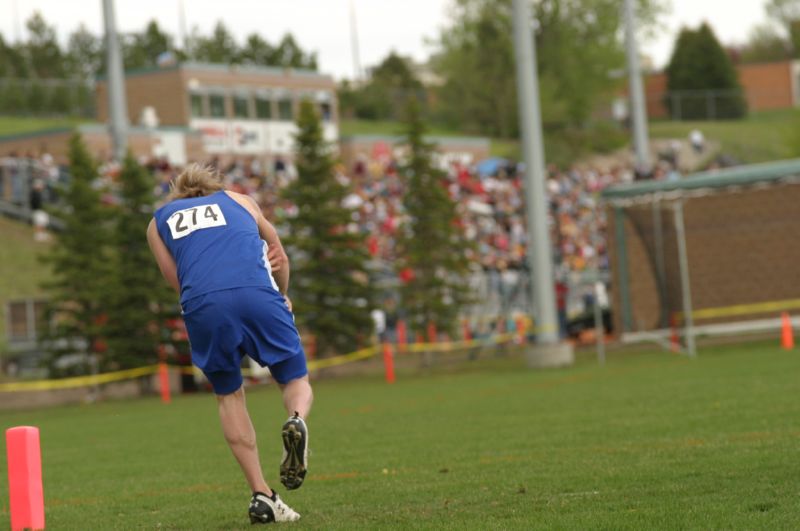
(192, 111)
(238, 110)
(767, 86)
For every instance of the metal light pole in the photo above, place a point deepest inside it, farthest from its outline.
(540, 258)
(117, 106)
(686, 291)
(182, 25)
(355, 45)
(638, 111)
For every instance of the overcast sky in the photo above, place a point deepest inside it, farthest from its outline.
(324, 25)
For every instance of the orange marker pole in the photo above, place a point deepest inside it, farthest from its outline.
(520, 322)
(402, 335)
(465, 330)
(25, 478)
(787, 335)
(163, 378)
(674, 341)
(388, 362)
(432, 335)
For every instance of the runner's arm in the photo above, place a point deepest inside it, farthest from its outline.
(276, 255)
(278, 260)
(164, 259)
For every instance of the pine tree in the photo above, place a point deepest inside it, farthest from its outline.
(700, 66)
(329, 282)
(431, 246)
(80, 260)
(138, 298)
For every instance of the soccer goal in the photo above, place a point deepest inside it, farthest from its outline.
(714, 253)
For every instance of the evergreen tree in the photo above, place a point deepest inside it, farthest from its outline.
(330, 285)
(257, 51)
(5, 65)
(80, 260)
(84, 53)
(385, 94)
(43, 49)
(289, 54)
(220, 47)
(138, 298)
(141, 50)
(432, 246)
(699, 63)
(16, 56)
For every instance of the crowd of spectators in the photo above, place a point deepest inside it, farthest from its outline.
(490, 206)
(489, 200)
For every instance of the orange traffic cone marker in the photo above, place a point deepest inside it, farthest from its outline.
(787, 336)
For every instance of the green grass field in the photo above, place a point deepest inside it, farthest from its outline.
(17, 125)
(648, 441)
(498, 147)
(760, 137)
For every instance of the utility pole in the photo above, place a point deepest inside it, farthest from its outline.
(638, 111)
(182, 26)
(115, 79)
(17, 26)
(354, 44)
(540, 259)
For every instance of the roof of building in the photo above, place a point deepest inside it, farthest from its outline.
(228, 68)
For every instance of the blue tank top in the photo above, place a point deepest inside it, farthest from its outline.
(215, 243)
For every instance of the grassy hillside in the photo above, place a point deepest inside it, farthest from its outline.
(760, 137)
(20, 270)
(19, 125)
(498, 147)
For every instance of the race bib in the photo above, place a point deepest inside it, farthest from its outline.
(184, 222)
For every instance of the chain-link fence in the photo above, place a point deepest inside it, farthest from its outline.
(706, 104)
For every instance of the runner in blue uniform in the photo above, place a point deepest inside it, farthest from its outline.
(227, 263)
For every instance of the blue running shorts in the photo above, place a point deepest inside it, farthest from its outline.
(226, 325)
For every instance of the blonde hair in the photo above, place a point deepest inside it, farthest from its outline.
(197, 180)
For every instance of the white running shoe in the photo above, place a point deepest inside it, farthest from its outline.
(264, 509)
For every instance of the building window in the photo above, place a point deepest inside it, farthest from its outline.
(285, 111)
(18, 319)
(263, 108)
(241, 107)
(24, 318)
(196, 103)
(216, 105)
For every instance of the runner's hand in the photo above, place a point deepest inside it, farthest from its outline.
(288, 302)
(274, 257)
